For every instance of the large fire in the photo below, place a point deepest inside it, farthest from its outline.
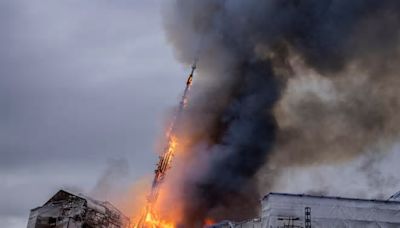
(150, 217)
(151, 220)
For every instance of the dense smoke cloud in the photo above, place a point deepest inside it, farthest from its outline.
(282, 83)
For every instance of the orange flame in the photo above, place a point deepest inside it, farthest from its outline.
(209, 222)
(150, 219)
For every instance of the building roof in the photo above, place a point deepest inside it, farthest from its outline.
(330, 197)
(99, 206)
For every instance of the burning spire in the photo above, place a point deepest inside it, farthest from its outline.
(149, 218)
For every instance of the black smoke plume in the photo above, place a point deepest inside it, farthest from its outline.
(254, 107)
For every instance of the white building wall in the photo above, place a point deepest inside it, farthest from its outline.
(329, 212)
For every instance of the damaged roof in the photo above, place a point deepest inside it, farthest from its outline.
(99, 206)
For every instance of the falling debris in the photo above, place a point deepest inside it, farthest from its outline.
(67, 210)
(150, 219)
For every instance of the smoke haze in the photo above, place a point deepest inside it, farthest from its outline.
(283, 83)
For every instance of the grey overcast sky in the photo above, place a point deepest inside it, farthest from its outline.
(84, 84)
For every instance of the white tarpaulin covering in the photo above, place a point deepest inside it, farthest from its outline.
(328, 212)
(289, 211)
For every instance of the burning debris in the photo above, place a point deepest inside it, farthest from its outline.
(67, 210)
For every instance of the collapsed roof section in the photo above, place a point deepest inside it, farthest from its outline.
(68, 210)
